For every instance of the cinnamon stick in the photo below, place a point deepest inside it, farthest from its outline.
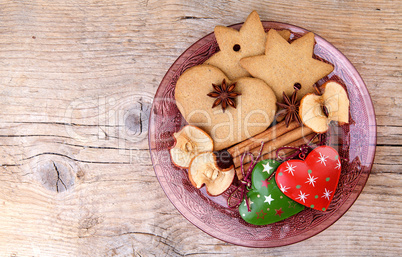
(274, 144)
(272, 154)
(265, 136)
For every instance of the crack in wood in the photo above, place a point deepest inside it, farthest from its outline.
(10, 165)
(58, 179)
(207, 253)
(194, 18)
(62, 124)
(104, 147)
(68, 157)
(386, 145)
(140, 121)
(77, 160)
(106, 135)
(31, 135)
(136, 120)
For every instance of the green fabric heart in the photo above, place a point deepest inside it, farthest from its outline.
(267, 203)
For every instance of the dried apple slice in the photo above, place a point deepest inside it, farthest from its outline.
(312, 114)
(337, 102)
(189, 142)
(204, 170)
(334, 99)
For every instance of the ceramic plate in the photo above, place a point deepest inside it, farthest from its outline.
(355, 142)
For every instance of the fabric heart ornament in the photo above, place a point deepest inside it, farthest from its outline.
(311, 182)
(254, 112)
(267, 203)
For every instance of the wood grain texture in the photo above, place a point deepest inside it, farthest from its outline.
(77, 79)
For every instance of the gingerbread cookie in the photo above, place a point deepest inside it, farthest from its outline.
(255, 104)
(285, 64)
(235, 45)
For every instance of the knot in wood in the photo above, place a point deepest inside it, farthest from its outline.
(136, 120)
(55, 175)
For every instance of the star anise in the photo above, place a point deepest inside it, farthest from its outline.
(224, 95)
(290, 107)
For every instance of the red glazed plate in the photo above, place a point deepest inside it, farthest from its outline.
(355, 143)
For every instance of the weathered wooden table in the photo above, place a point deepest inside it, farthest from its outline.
(77, 80)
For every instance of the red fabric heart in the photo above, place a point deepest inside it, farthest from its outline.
(311, 182)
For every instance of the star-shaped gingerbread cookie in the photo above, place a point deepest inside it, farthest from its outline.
(236, 44)
(285, 64)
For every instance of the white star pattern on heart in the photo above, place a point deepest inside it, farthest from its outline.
(322, 159)
(283, 188)
(302, 196)
(268, 199)
(290, 168)
(338, 165)
(311, 180)
(267, 168)
(327, 194)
